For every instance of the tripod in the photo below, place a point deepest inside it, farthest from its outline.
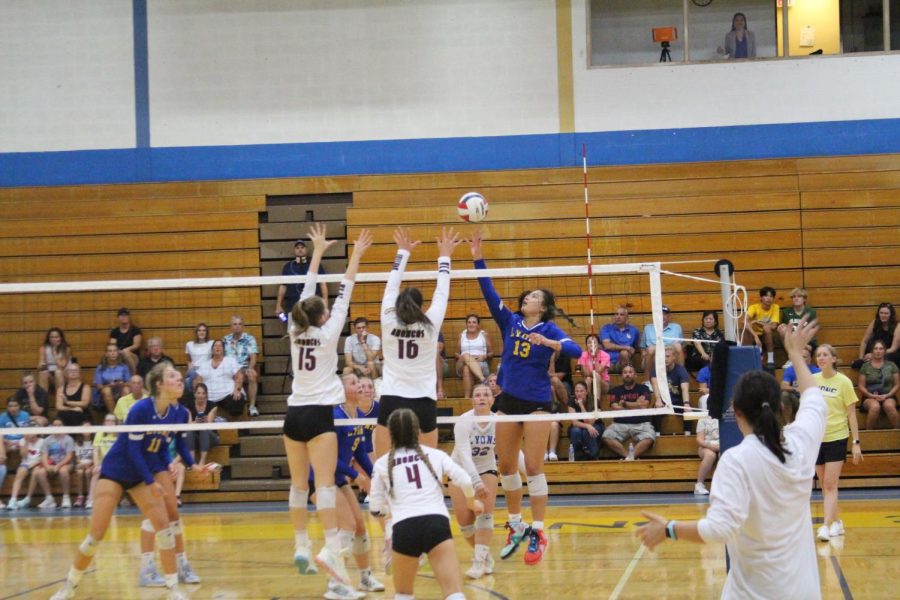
(665, 55)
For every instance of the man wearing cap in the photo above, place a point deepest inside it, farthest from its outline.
(289, 294)
(671, 336)
(128, 338)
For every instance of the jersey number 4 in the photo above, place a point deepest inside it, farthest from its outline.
(412, 475)
(408, 348)
(306, 361)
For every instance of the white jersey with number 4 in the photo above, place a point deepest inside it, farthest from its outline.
(474, 446)
(416, 492)
(314, 356)
(410, 350)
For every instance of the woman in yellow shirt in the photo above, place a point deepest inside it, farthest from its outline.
(840, 401)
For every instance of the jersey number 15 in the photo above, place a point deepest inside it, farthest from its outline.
(306, 361)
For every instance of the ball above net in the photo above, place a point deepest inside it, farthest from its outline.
(472, 207)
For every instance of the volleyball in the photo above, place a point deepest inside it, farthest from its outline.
(472, 207)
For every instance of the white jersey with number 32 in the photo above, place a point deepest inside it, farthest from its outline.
(474, 446)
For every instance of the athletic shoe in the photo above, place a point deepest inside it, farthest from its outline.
(66, 502)
(253, 411)
(13, 504)
(177, 594)
(48, 502)
(186, 573)
(517, 533)
(301, 560)
(339, 591)
(368, 583)
(476, 571)
(150, 577)
(546, 456)
(537, 545)
(333, 563)
(387, 555)
(700, 490)
(89, 503)
(552, 457)
(836, 529)
(488, 565)
(66, 593)
(823, 534)
(79, 502)
(24, 502)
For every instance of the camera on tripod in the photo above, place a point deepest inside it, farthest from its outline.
(665, 36)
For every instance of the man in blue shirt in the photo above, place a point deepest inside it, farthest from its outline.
(13, 418)
(620, 339)
(289, 294)
(671, 335)
(242, 348)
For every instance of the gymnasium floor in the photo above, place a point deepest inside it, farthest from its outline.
(244, 552)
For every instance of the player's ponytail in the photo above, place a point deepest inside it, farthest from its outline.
(757, 397)
(408, 307)
(307, 313)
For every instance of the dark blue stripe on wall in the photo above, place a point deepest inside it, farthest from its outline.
(141, 74)
(449, 154)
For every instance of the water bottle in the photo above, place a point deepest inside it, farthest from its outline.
(630, 451)
(571, 452)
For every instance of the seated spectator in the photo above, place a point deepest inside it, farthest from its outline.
(495, 389)
(128, 339)
(556, 407)
(197, 351)
(703, 377)
(679, 385)
(73, 399)
(698, 352)
(2, 464)
(671, 336)
(33, 399)
(29, 448)
(799, 309)
(154, 357)
(883, 327)
(136, 392)
(561, 377)
(584, 434)
(621, 340)
(224, 380)
(708, 449)
(361, 351)
(109, 379)
(84, 466)
(594, 363)
(101, 445)
(639, 430)
(473, 358)
(762, 322)
(202, 411)
(879, 380)
(790, 388)
(53, 357)
(242, 348)
(13, 418)
(57, 459)
(443, 369)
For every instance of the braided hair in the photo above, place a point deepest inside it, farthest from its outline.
(403, 425)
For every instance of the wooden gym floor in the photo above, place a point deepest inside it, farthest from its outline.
(244, 552)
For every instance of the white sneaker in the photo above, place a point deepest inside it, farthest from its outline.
(301, 560)
(476, 571)
(65, 593)
(700, 490)
(836, 529)
(89, 503)
(333, 563)
(823, 534)
(66, 502)
(48, 502)
(546, 456)
(253, 411)
(488, 565)
(13, 504)
(552, 457)
(339, 591)
(370, 584)
(150, 577)
(24, 502)
(186, 573)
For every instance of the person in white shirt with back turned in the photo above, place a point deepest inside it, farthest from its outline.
(759, 505)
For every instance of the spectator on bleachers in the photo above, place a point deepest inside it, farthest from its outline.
(2, 464)
(883, 327)
(491, 382)
(13, 418)
(154, 357)
(703, 377)
(595, 362)
(790, 388)
(288, 294)
(243, 348)
(708, 449)
(679, 385)
(557, 405)
(53, 357)
(73, 399)
(361, 350)
(197, 352)
(584, 434)
(84, 466)
(224, 380)
(671, 335)
(698, 352)
(474, 355)
(443, 369)
(101, 445)
(639, 430)
(879, 381)
(57, 459)
(136, 392)
(561, 377)
(29, 448)
(128, 339)
(763, 319)
(799, 309)
(200, 442)
(621, 340)
(34, 399)
(109, 379)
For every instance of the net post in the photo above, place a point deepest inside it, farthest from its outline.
(725, 269)
(659, 359)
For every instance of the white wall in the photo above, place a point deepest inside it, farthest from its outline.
(229, 72)
(66, 75)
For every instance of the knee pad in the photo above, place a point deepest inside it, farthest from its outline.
(360, 545)
(467, 530)
(298, 498)
(537, 485)
(485, 522)
(346, 538)
(176, 527)
(511, 483)
(147, 526)
(326, 497)
(165, 539)
(88, 546)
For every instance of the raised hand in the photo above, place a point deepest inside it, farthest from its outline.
(475, 244)
(448, 241)
(404, 242)
(363, 241)
(317, 235)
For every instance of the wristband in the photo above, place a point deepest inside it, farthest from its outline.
(670, 530)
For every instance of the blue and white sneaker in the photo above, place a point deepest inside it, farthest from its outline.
(186, 573)
(150, 577)
(517, 532)
(301, 560)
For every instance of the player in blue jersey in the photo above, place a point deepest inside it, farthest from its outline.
(132, 465)
(369, 408)
(529, 340)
